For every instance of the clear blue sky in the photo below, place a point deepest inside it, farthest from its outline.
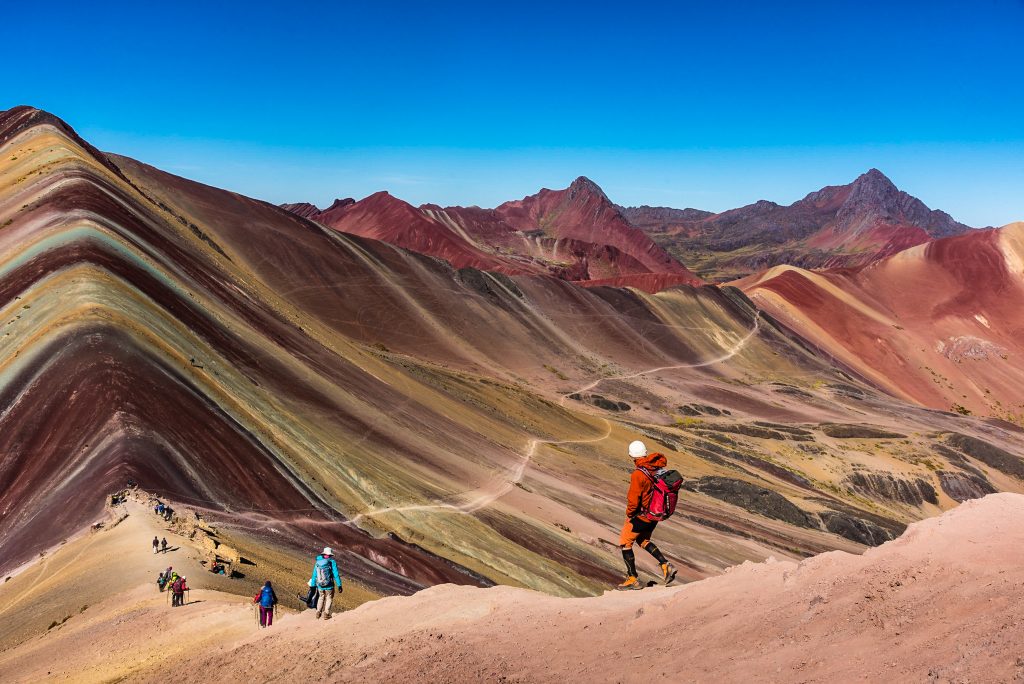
(711, 105)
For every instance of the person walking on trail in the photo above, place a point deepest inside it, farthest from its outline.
(638, 527)
(156, 544)
(267, 599)
(178, 589)
(163, 545)
(325, 578)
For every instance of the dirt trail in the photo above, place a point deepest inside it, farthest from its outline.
(942, 603)
(88, 570)
(725, 356)
(478, 499)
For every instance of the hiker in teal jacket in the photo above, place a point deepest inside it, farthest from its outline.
(325, 578)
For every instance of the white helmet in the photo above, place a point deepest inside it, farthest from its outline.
(637, 449)
(328, 551)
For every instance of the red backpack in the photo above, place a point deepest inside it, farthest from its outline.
(665, 486)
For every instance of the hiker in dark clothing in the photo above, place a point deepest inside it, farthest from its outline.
(165, 579)
(163, 544)
(266, 599)
(156, 544)
(325, 578)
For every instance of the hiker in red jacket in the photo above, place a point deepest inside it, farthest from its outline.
(178, 589)
(638, 528)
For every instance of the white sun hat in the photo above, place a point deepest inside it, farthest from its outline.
(637, 449)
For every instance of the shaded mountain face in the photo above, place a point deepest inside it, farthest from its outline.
(302, 386)
(659, 218)
(837, 226)
(574, 234)
(304, 209)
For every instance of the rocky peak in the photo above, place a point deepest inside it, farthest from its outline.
(873, 197)
(303, 209)
(339, 203)
(586, 188)
(874, 177)
(874, 186)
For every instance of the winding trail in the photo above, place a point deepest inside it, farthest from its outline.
(483, 497)
(733, 351)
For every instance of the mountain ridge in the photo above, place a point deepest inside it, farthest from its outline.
(507, 240)
(301, 386)
(838, 226)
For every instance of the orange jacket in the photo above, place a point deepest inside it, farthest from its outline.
(639, 496)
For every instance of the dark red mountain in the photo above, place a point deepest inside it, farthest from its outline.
(840, 225)
(574, 234)
(388, 219)
(583, 212)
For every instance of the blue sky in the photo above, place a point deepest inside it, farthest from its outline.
(711, 105)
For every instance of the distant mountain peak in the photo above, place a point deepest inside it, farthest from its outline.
(876, 181)
(874, 174)
(585, 186)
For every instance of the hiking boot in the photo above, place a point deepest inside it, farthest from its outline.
(630, 583)
(327, 616)
(669, 572)
(318, 616)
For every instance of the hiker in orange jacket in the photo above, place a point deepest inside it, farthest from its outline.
(638, 528)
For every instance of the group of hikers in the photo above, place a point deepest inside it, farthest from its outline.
(163, 510)
(323, 583)
(159, 545)
(171, 581)
(652, 496)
